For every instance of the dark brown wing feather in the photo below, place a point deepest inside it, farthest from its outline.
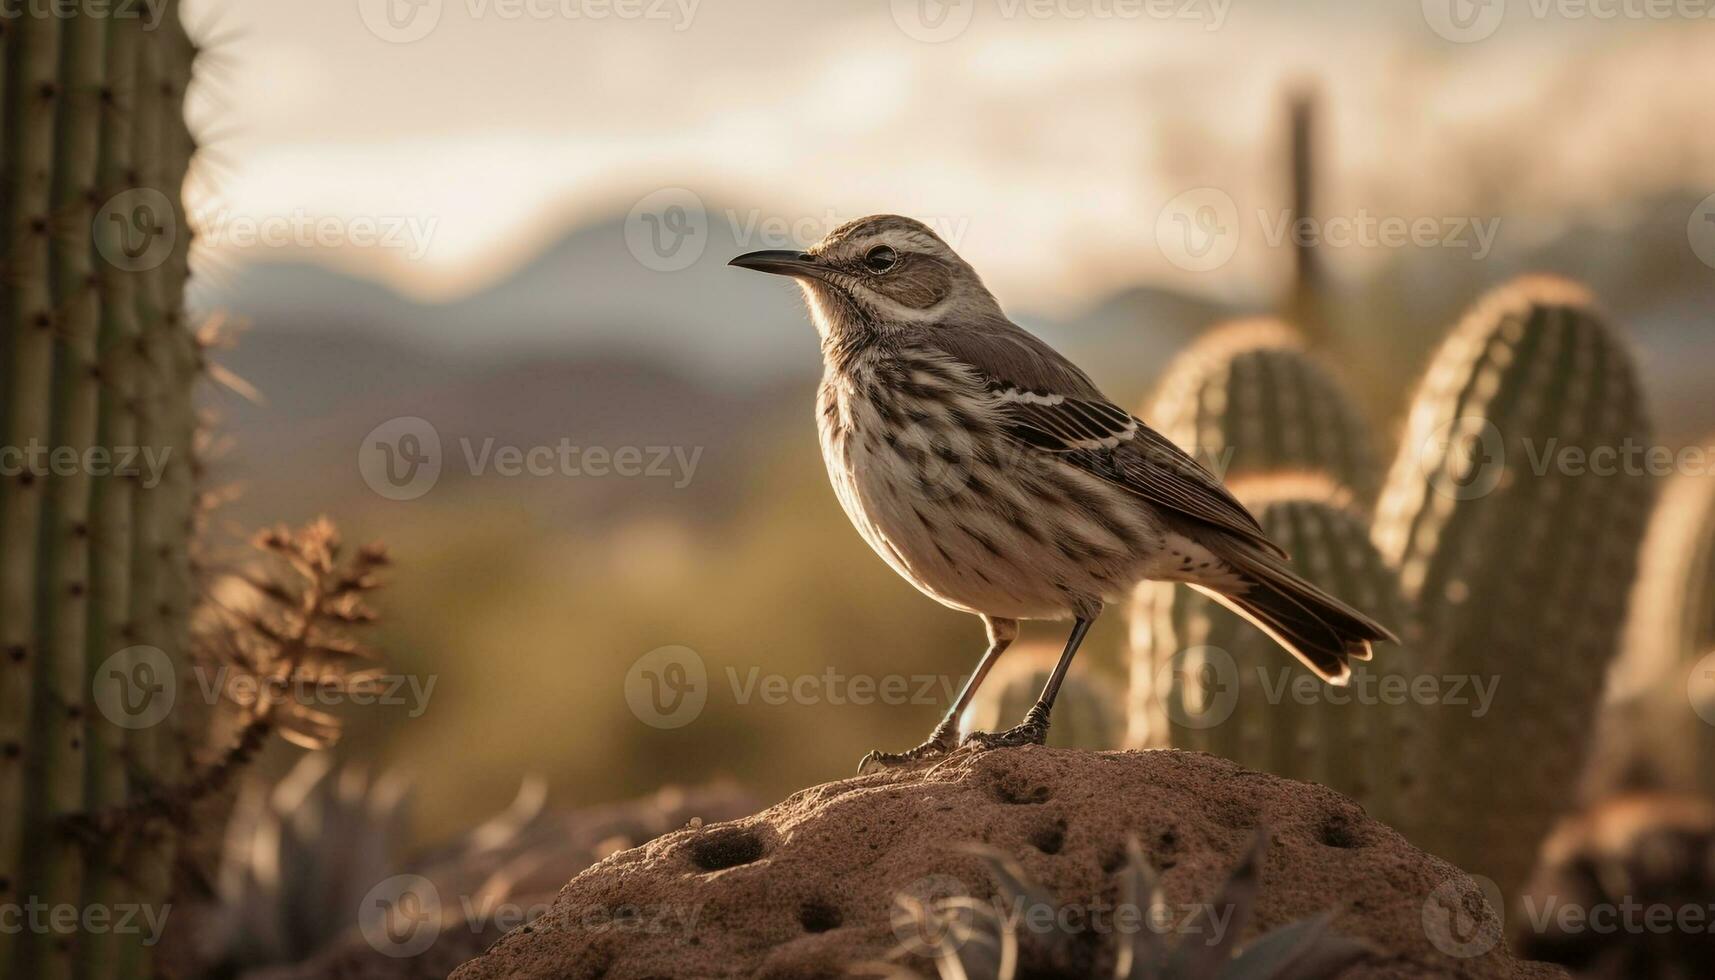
(1155, 469)
(1088, 431)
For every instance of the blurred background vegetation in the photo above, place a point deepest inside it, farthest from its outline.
(1052, 145)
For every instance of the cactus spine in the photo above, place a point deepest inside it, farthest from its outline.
(1085, 715)
(82, 90)
(1218, 684)
(1518, 563)
(1246, 399)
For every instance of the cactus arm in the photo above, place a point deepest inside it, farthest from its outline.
(1520, 572)
(1247, 400)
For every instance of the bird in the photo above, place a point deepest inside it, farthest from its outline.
(991, 473)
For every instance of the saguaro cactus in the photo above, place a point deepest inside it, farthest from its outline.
(1246, 399)
(1203, 678)
(1513, 513)
(1660, 698)
(93, 132)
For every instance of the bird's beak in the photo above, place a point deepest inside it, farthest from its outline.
(780, 262)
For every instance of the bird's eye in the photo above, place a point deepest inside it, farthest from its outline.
(880, 258)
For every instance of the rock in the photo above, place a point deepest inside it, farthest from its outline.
(805, 889)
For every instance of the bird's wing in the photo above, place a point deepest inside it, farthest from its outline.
(1047, 403)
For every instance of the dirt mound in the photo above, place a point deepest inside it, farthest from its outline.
(806, 889)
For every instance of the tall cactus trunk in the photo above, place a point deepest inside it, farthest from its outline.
(32, 94)
(56, 785)
(94, 347)
(1519, 566)
(110, 568)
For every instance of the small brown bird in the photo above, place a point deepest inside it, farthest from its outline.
(990, 472)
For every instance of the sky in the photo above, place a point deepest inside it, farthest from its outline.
(437, 144)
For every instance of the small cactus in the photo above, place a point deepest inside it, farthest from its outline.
(1085, 713)
(1206, 679)
(1246, 399)
(1519, 563)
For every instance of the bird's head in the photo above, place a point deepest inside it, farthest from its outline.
(880, 273)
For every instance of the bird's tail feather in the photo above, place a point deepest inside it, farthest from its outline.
(1320, 630)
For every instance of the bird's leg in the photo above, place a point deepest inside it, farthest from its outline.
(1034, 729)
(944, 738)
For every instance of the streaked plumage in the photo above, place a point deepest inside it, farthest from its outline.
(992, 474)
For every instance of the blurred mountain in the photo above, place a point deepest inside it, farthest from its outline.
(583, 343)
(588, 292)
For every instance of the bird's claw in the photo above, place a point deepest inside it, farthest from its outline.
(939, 744)
(1029, 733)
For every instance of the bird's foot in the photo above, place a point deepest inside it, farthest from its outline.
(1011, 738)
(944, 740)
(1034, 731)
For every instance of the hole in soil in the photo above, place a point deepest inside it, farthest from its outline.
(819, 917)
(1015, 791)
(1051, 838)
(721, 849)
(1337, 831)
(1166, 850)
